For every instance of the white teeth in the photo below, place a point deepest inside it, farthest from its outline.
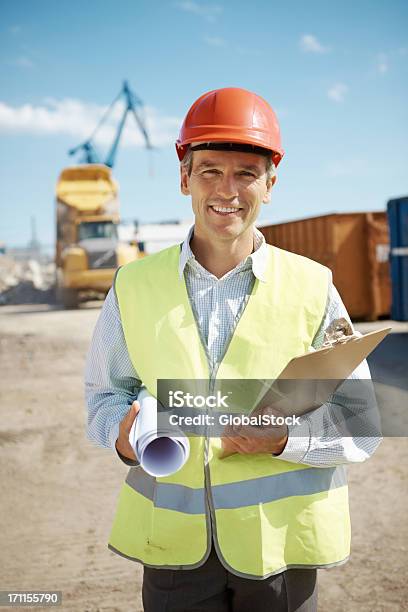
(224, 209)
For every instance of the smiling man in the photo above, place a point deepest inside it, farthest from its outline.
(227, 193)
(244, 524)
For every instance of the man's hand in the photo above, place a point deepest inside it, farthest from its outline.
(249, 439)
(122, 443)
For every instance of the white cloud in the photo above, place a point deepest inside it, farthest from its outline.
(210, 12)
(77, 119)
(382, 63)
(337, 92)
(309, 44)
(215, 41)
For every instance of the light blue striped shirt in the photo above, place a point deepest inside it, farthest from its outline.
(112, 384)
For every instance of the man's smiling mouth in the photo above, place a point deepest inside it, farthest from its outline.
(225, 210)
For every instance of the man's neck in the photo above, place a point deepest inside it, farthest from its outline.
(219, 257)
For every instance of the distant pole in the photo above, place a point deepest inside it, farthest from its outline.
(34, 244)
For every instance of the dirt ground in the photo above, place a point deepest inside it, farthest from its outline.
(58, 491)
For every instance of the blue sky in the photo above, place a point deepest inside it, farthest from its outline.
(335, 72)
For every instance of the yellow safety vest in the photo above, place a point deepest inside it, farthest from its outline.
(265, 514)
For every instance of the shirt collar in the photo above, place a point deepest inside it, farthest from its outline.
(258, 258)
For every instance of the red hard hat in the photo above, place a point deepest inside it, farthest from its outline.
(232, 115)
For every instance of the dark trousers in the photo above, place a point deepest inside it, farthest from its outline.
(212, 588)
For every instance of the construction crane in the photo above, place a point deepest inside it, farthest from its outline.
(133, 105)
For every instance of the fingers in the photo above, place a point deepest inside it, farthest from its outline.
(230, 444)
(228, 447)
(224, 453)
(122, 443)
(233, 441)
(128, 420)
(243, 445)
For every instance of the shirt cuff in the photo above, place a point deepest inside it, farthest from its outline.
(298, 442)
(114, 435)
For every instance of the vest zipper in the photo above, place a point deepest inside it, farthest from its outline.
(212, 380)
(207, 479)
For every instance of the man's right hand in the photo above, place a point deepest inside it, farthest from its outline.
(122, 443)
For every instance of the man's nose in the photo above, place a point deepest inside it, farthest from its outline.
(227, 186)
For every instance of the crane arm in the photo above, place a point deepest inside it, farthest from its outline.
(91, 155)
(132, 102)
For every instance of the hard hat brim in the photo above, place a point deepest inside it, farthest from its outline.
(181, 147)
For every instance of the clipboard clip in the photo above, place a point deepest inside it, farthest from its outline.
(338, 332)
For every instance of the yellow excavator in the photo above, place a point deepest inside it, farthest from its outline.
(88, 249)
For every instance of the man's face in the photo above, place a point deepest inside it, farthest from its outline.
(227, 189)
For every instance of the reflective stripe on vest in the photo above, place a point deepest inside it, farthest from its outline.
(255, 491)
(264, 513)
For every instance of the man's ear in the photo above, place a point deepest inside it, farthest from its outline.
(270, 184)
(184, 181)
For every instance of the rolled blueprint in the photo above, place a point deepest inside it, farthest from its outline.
(160, 452)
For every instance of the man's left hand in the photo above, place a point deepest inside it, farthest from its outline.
(249, 439)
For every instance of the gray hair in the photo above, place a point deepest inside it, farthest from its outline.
(187, 163)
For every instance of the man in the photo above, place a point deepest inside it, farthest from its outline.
(247, 531)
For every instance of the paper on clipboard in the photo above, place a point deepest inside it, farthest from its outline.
(319, 374)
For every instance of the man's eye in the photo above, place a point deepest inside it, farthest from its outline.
(206, 172)
(245, 173)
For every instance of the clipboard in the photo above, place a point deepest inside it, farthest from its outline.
(308, 380)
(335, 361)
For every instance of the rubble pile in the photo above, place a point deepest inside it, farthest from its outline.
(26, 282)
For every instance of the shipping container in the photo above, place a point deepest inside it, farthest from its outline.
(355, 246)
(398, 223)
